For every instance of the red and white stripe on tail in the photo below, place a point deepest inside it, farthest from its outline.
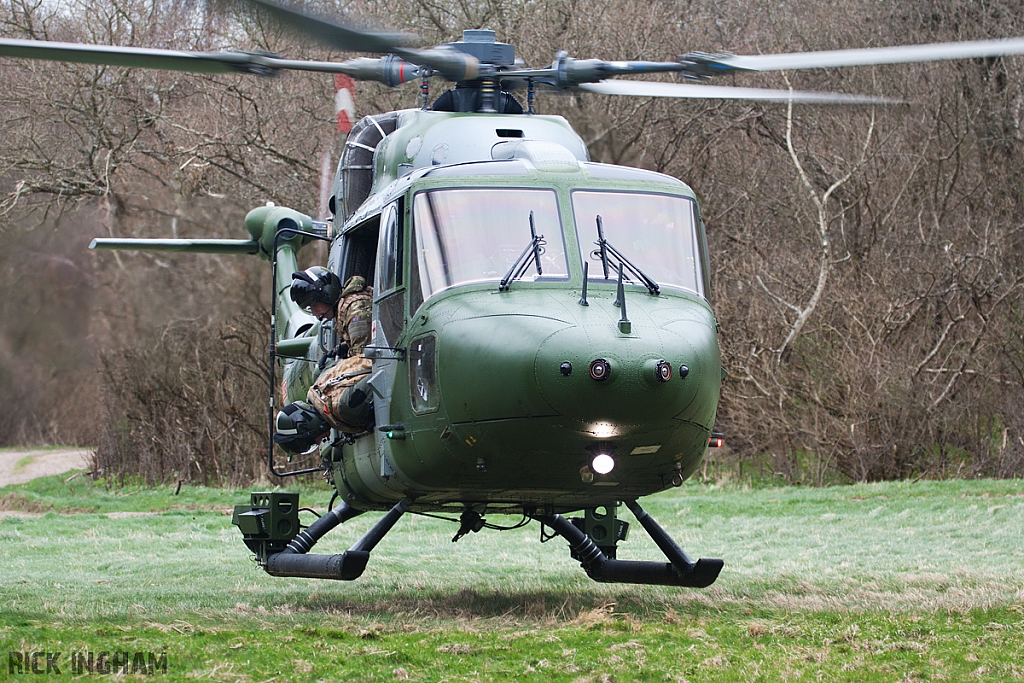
(344, 102)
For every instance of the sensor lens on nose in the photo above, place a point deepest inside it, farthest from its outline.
(663, 371)
(683, 371)
(599, 370)
(565, 368)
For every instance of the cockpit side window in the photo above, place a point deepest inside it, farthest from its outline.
(387, 291)
(390, 247)
(704, 259)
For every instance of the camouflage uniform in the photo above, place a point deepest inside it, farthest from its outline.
(341, 393)
(352, 321)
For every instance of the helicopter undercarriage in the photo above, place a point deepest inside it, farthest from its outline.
(270, 528)
(477, 400)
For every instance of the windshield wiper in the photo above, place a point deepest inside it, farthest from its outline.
(604, 248)
(531, 253)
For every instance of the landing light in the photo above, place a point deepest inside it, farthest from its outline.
(602, 464)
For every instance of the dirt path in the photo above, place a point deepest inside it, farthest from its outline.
(19, 466)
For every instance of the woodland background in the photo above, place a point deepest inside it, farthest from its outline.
(868, 263)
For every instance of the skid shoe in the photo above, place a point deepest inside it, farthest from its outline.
(347, 566)
(268, 527)
(680, 570)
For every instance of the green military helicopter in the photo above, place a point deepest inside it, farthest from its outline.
(542, 340)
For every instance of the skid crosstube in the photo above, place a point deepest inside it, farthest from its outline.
(680, 570)
(347, 566)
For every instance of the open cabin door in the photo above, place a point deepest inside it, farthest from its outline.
(388, 323)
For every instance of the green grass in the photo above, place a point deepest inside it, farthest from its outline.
(880, 582)
(24, 462)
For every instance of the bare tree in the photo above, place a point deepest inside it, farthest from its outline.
(866, 264)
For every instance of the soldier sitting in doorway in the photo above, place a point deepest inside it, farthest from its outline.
(341, 392)
(320, 291)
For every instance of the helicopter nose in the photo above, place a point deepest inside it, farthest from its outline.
(593, 373)
(485, 366)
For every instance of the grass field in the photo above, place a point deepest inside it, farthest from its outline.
(882, 582)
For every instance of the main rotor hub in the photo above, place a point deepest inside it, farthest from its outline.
(482, 44)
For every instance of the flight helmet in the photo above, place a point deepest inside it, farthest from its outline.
(299, 427)
(316, 284)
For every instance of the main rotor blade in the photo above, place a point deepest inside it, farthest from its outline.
(719, 92)
(453, 65)
(569, 72)
(334, 34)
(860, 57)
(146, 58)
(388, 70)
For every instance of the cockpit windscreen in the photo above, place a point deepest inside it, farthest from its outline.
(656, 232)
(469, 235)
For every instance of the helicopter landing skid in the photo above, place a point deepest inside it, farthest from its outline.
(679, 571)
(347, 566)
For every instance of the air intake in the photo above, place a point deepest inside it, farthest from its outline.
(545, 156)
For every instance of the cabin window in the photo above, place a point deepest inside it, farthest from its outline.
(656, 232)
(423, 374)
(472, 235)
